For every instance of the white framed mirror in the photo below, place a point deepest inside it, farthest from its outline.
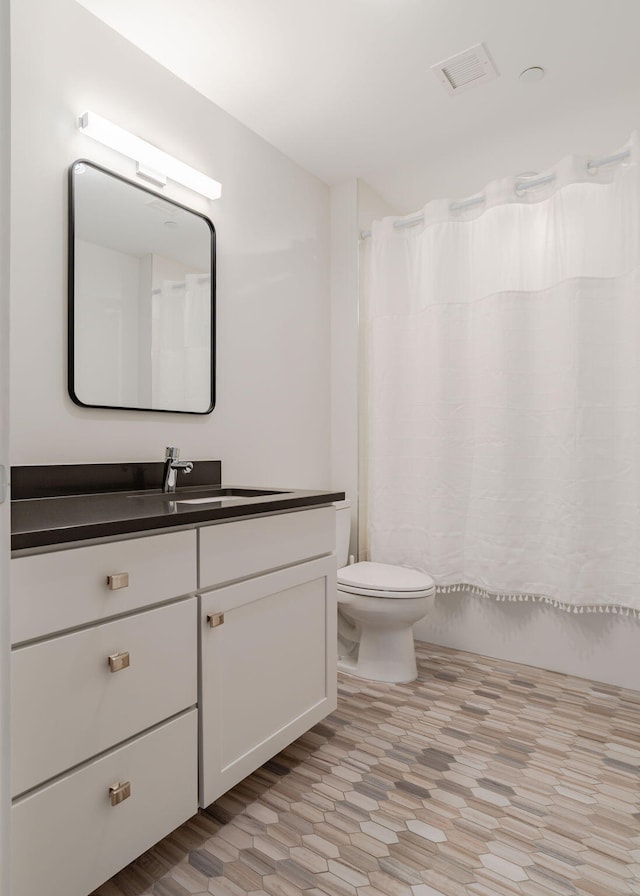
(141, 297)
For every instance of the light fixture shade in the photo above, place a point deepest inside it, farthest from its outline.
(148, 156)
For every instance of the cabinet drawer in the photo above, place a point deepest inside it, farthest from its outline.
(64, 589)
(67, 704)
(68, 838)
(268, 668)
(242, 548)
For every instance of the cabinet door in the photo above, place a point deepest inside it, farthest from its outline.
(268, 650)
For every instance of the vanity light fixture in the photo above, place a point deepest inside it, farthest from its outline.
(153, 164)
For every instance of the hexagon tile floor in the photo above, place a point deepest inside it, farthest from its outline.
(482, 778)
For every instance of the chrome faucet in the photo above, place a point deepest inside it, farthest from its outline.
(171, 466)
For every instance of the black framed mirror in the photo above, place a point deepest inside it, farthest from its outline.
(141, 297)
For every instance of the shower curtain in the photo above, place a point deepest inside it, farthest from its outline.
(181, 344)
(504, 389)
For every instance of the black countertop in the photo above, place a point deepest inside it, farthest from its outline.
(62, 518)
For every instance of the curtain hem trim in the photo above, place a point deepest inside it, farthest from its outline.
(539, 598)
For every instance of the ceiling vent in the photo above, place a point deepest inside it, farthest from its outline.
(467, 69)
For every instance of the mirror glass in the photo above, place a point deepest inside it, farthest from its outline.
(141, 297)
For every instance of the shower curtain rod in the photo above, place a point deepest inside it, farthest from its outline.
(519, 188)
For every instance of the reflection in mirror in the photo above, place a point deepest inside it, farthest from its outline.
(141, 297)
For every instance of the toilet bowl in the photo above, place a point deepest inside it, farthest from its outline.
(378, 605)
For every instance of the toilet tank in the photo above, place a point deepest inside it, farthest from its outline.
(343, 531)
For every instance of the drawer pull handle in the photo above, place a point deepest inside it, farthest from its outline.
(215, 619)
(118, 580)
(118, 661)
(119, 792)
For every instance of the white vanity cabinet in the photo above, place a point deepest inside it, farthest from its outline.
(267, 639)
(104, 718)
(134, 660)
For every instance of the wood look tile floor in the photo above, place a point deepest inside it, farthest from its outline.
(481, 778)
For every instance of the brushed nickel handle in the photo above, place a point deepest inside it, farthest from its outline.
(118, 661)
(119, 792)
(215, 619)
(118, 580)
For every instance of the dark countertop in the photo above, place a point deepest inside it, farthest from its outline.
(55, 520)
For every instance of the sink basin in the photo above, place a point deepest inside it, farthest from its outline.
(225, 496)
(221, 499)
(212, 496)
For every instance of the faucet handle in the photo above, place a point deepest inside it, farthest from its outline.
(171, 453)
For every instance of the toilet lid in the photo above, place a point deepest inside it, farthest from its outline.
(385, 580)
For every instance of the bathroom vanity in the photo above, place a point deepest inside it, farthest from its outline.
(157, 663)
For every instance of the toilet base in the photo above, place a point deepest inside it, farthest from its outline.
(347, 667)
(383, 655)
(376, 635)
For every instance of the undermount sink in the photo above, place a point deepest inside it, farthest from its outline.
(226, 495)
(218, 499)
(214, 496)
(227, 499)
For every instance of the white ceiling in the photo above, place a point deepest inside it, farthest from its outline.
(344, 87)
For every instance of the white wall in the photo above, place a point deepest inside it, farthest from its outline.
(598, 646)
(371, 207)
(5, 740)
(108, 293)
(344, 345)
(354, 205)
(271, 423)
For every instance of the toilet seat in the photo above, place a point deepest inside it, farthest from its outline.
(384, 580)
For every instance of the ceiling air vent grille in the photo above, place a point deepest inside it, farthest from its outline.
(468, 69)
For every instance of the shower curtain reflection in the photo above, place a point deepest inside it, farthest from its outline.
(181, 343)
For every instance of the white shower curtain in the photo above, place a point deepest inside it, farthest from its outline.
(504, 390)
(181, 344)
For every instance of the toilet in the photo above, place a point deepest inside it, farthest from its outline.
(378, 605)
